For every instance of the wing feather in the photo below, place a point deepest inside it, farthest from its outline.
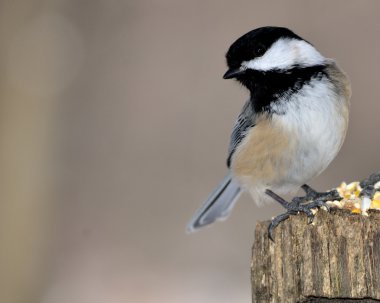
(243, 124)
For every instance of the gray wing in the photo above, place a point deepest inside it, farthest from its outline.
(244, 123)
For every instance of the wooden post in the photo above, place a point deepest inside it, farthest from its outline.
(335, 259)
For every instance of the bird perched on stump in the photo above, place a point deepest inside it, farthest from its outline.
(289, 130)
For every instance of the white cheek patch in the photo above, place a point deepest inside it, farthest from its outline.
(285, 54)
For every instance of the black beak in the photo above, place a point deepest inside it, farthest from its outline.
(233, 73)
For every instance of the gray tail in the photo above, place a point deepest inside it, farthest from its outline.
(217, 206)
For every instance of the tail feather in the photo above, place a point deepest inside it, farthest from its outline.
(217, 206)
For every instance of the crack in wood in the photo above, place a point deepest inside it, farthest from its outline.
(334, 260)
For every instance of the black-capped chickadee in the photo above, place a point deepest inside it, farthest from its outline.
(289, 130)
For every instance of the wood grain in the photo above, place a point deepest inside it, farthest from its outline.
(336, 259)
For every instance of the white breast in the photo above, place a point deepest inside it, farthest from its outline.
(316, 121)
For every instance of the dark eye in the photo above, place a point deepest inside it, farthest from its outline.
(259, 50)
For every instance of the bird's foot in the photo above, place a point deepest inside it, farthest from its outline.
(368, 185)
(312, 199)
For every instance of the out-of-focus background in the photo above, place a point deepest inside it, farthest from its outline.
(114, 126)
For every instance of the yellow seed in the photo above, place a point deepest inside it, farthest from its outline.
(341, 188)
(340, 192)
(375, 204)
(356, 211)
(347, 195)
(352, 186)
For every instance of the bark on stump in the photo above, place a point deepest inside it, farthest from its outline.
(335, 259)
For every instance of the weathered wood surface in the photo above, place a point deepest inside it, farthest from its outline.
(335, 259)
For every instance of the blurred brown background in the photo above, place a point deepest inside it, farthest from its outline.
(114, 126)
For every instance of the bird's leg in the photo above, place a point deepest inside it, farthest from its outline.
(312, 199)
(368, 185)
(368, 190)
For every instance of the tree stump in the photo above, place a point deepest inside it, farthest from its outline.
(335, 259)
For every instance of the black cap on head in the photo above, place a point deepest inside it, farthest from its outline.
(255, 43)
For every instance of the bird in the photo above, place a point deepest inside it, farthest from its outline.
(289, 130)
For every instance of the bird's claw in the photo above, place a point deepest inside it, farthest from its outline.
(275, 222)
(312, 200)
